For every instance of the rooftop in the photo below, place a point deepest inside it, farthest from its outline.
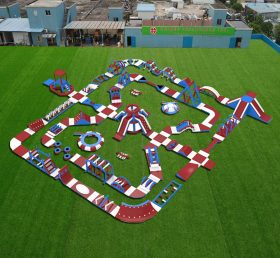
(219, 6)
(146, 8)
(165, 10)
(68, 3)
(134, 23)
(95, 25)
(239, 25)
(264, 7)
(115, 7)
(203, 2)
(17, 25)
(45, 3)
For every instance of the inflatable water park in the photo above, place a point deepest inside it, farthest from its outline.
(131, 119)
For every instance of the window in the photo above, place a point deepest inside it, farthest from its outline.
(35, 12)
(219, 21)
(48, 12)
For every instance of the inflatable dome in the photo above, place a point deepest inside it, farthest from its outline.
(170, 108)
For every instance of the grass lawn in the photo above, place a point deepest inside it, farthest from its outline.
(232, 211)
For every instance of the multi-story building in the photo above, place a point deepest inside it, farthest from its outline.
(43, 25)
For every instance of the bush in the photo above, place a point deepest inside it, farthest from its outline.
(267, 28)
(277, 33)
(256, 27)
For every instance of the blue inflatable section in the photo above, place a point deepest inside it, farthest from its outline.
(89, 134)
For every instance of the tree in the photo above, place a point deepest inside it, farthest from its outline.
(257, 24)
(267, 28)
(249, 16)
(277, 33)
(237, 7)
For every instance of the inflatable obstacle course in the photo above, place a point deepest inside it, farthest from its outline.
(131, 119)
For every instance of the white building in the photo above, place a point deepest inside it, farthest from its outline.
(179, 4)
(203, 2)
(267, 11)
(146, 11)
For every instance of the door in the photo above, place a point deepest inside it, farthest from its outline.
(1, 39)
(238, 42)
(187, 42)
(51, 41)
(232, 42)
(131, 41)
(235, 42)
(30, 39)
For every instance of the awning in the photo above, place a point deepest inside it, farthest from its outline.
(17, 25)
(95, 25)
(49, 36)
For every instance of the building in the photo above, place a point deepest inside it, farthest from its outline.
(179, 4)
(10, 11)
(52, 16)
(213, 32)
(218, 12)
(53, 23)
(91, 33)
(42, 27)
(203, 2)
(146, 11)
(115, 13)
(266, 10)
(17, 31)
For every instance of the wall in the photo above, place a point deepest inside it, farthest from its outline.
(267, 16)
(14, 10)
(37, 39)
(246, 37)
(176, 41)
(146, 15)
(267, 40)
(21, 38)
(211, 41)
(71, 13)
(53, 23)
(4, 12)
(11, 11)
(152, 40)
(115, 13)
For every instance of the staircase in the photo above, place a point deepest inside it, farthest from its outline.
(49, 166)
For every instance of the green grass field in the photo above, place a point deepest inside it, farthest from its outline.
(232, 211)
